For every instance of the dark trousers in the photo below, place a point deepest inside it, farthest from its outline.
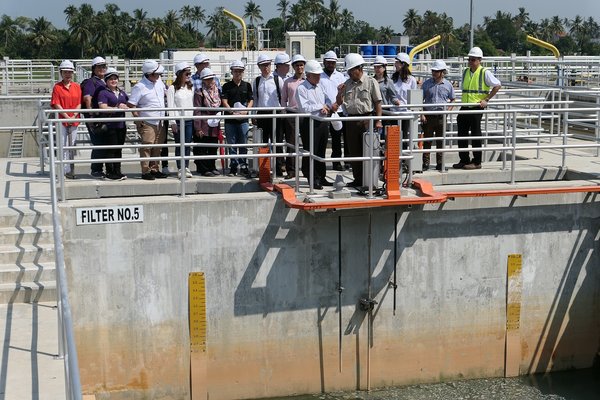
(114, 136)
(336, 142)
(433, 127)
(320, 135)
(203, 166)
(472, 123)
(290, 138)
(354, 138)
(266, 124)
(97, 140)
(164, 152)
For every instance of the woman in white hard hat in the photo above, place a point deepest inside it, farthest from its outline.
(404, 81)
(207, 130)
(181, 95)
(66, 95)
(386, 86)
(439, 91)
(112, 97)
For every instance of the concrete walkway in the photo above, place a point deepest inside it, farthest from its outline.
(30, 368)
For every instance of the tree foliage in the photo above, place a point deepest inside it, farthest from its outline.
(112, 31)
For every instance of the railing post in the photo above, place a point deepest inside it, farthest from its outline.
(297, 150)
(514, 148)
(40, 136)
(311, 165)
(182, 148)
(565, 132)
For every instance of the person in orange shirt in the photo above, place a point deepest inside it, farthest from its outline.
(66, 95)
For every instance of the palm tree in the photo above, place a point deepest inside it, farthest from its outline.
(333, 16)
(140, 20)
(80, 32)
(198, 16)
(158, 34)
(186, 14)
(412, 22)
(521, 19)
(385, 34)
(253, 12)
(315, 8)
(172, 26)
(282, 7)
(71, 13)
(346, 19)
(299, 18)
(42, 33)
(9, 28)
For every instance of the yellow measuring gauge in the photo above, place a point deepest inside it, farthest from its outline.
(197, 307)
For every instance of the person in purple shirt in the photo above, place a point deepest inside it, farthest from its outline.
(112, 97)
(89, 87)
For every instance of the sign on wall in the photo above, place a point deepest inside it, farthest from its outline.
(109, 215)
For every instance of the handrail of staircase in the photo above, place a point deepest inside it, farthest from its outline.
(66, 340)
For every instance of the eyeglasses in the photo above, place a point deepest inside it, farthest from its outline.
(103, 66)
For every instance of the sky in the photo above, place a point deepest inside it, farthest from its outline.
(377, 13)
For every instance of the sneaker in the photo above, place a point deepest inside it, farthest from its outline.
(148, 176)
(232, 171)
(245, 171)
(188, 173)
(472, 166)
(215, 172)
(208, 173)
(97, 175)
(158, 175)
(113, 177)
(70, 175)
(459, 165)
(122, 177)
(165, 171)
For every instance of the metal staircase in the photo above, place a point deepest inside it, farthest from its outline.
(17, 139)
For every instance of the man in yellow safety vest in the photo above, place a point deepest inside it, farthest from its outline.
(479, 85)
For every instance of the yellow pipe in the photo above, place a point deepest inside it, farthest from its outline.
(423, 46)
(241, 21)
(545, 45)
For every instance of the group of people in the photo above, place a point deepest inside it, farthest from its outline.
(309, 88)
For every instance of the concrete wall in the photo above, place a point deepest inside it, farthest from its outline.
(272, 299)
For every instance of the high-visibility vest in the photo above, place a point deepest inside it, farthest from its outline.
(474, 88)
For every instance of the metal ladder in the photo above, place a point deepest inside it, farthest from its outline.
(16, 144)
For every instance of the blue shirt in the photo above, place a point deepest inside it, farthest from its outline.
(433, 93)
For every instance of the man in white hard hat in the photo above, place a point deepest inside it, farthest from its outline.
(237, 93)
(439, 91)
(66, 95)
(311, 98)
(477, 90)
(149, 92)
(360, 96)
(266, 89)
(201, 61)
(282, 65)
(89, 88)
(288, 99)
(331, 79)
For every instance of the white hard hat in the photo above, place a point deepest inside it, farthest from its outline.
(298, 58)
(330, 56)
(98, 60)
(150, 66)
(439, 65)
(263, 59)
(403, 57)
(237, 64)
(110, 72)
(207, 73)
(66, 65)
(201, 58)
(181, 66)
(282, 58)
(160, 70)
(380, 60)
(313, 67)
(353, 60)
(475, 52)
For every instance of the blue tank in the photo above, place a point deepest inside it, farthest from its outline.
(367, 51)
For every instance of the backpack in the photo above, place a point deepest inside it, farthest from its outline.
(276, 87)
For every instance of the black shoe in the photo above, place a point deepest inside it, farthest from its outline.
(325, 182)
(158, 175)
(317, 184)
(148, 176)
(439, 167)
(459, 165)
(425, 167)
(97, 175)
(354, 184)
(338, 166)
(113, 177)
(232, 171)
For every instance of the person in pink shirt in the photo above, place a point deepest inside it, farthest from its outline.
(288, 99)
